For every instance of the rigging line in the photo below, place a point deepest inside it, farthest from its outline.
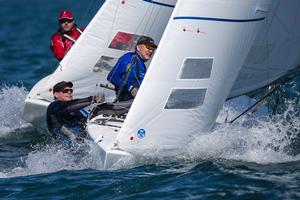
(149, 19)
(113, 23)
(282, 24)
(101, 89)
(87, 10)
(259, 101)
(274, 12)
(278, 19)
(291, 35)
(137, 80)
(249, 109)
(98, 89)
(154, 20)
(268, 50)
(143, 18)
(295, 19)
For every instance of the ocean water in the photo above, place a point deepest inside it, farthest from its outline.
(257, 157)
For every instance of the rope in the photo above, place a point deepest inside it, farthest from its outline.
(259, 101)
(268, 50)
(88, 10)
(248, 109)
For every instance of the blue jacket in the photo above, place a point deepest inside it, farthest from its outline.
(118, 73)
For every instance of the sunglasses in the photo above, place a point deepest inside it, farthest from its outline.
(61, 21)
(149, 47)
(67, 91)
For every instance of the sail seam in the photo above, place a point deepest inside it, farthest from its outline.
(217, 19)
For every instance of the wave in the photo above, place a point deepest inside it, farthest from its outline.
(258, 138)
(262, 139)
(12, 101)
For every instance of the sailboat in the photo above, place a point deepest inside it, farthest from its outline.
(209, 51)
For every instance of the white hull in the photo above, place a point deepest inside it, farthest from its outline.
(104, 131)
(35, 108)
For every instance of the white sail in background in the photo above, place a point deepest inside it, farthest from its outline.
(113, 31)
(198, 59)
(275, 50)
(135, 16)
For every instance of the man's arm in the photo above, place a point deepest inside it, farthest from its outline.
(57, 47)
(77, 104)
(115, 75)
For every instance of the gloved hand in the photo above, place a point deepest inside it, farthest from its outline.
(134, 91)
(79, 140)
(98, 99)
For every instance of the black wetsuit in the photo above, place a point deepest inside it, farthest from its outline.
(67, 114)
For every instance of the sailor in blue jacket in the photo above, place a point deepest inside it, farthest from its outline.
(128, 74)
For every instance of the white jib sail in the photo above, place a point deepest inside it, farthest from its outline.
(197, 61)
(113, 31)
(276, 49)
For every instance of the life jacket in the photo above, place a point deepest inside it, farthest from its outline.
(61, 42)
(65, 36)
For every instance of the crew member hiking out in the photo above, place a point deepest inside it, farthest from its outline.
(128, 74)
(66, 36)
(66, 118)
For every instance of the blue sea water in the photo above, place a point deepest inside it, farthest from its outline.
(254, 158)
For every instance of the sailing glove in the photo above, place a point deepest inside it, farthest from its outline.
(133, 91)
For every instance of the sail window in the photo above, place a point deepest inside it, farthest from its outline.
(196, 68)
(124, 41)
(105, 64)
(185, 98)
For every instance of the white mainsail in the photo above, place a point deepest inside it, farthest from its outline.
(130, 18)
(198, 59)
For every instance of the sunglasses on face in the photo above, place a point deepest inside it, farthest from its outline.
(149, 47)
(61, 21)
(67, 91)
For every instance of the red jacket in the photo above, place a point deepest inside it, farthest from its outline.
(62, 42)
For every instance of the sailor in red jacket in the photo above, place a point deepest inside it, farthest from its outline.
(66, 36)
